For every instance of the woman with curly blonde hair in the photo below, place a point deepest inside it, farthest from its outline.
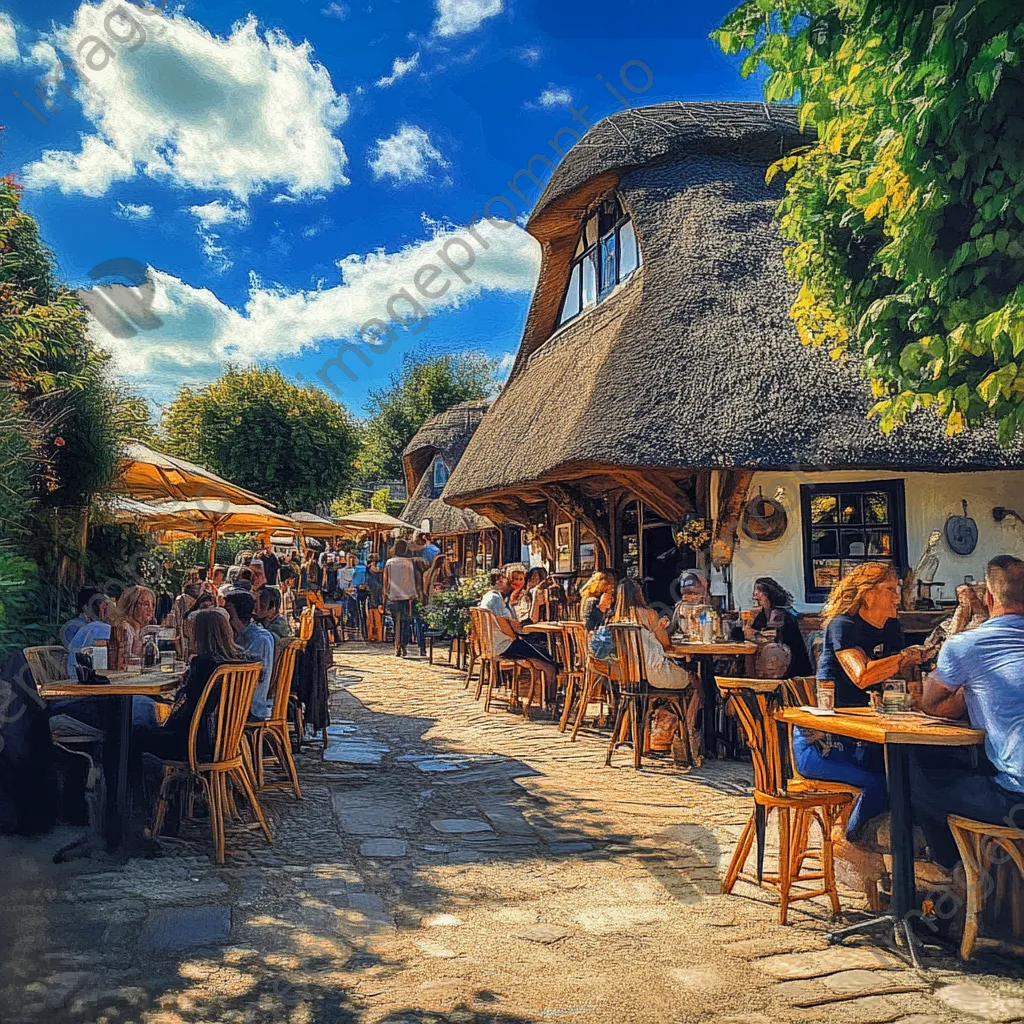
(597, 596)
(863, 646)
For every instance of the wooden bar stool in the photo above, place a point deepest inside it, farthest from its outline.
(753, 702)
(977, 841)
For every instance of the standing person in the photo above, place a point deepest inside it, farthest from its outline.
(309, 575)
(289, 571)
(597, 598)
(980, 676)
(401, 591)
(775, 604)
(862, 647)
(271, 564)
(427, 549)
(255, 643)
(347, 587)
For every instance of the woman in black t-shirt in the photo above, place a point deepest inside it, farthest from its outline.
(863, 646)
(775, 612)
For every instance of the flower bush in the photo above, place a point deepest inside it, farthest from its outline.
(447, 610)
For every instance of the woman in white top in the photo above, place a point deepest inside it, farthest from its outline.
(401, 589)
(662, 672)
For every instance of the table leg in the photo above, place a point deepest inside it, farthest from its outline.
(901, 826)
(709, 712)
(115, 767)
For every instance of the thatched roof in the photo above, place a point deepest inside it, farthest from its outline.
(447, 434)
(695, 362)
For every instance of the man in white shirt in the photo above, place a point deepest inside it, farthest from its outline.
(507, 640)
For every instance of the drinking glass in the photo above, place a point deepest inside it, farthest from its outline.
(133, 666)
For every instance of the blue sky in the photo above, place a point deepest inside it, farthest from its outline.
(286, 169)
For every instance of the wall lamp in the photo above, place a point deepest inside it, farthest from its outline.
(999, 513)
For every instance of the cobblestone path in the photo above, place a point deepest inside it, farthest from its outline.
(447, 865)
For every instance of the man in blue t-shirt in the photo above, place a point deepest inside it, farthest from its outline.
(980, 674)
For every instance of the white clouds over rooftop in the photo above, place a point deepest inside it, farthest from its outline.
(232, 114)
(406, 156)
(457, 17)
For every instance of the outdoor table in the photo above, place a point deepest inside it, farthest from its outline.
(553, 631)
(705, 654)
(895, 732)
(123, 686)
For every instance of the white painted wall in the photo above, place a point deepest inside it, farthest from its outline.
(930, 498)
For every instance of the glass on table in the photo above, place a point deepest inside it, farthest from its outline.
(133, 666)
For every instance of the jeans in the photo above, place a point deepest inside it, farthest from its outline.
(938, 792)
(401, 615)
(362, 598)
(860, 766)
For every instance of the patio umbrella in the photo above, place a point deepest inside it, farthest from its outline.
(213, 517)
(310, 525)
(147, 475)
(372, 521)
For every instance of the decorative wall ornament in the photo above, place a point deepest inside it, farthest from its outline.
(962, 533)
(764, 519)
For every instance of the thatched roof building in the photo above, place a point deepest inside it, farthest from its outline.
(693, 363)
(443, 438)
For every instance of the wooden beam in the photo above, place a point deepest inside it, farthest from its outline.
(663, 495)
(587, 510)
(732, 496)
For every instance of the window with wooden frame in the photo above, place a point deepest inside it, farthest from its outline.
(848, 523)
(607, 254)
(440, 477)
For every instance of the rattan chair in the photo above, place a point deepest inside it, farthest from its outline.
(472, 653)
(274, 730)
(977, 841)
(754, 702)
(492, 665)
(47, 664)
(236, 684)
(574, 646)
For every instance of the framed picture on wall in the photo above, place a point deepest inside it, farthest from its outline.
(588, 558)
(563, 547)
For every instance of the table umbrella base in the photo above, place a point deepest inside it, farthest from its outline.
(906, 944)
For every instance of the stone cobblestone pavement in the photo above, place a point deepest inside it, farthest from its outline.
(447, 865)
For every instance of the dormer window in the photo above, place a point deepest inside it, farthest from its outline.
(441, 472)
(606, 255)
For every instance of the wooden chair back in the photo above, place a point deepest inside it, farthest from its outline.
(234, 686)
(47, 664)
(572, 610)
(753, 702)
(629, 656)
(307, 618)
(574, 639)
(484, 623)
(281, 681)
(800, 691)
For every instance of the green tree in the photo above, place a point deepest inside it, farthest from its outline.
(294, 446)
(907, 210)
(425, 386)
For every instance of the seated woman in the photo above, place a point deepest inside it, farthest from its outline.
(597, 596)
(214, 645)
(774, 604)
(863, 646)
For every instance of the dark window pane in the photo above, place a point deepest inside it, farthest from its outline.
(849, 511)
(852, 544)
(589, 280)
(824, 508)
(825, 572)
(879, 543)
(876, 507)
(609, 276)
(629, 252)
(824, 542)
(590, 231)
(571, 306)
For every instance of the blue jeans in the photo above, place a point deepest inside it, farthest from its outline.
(861, 766)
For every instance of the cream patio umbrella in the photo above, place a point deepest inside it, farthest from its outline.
(372, 521)
(149, 475)
(214, 517)
(311, 525)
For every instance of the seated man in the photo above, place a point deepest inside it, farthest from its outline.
(980, 673)
(508, 641)
(89, 599)
(255, 643)
(268, 613)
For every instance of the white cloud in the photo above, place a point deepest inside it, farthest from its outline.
(335, 10)
(200, 111)
(457, 17)
(530, 54)
(217, 213)
(554, 96)
(399, 69)
(504, 367)
(134, 211)
(405, 156)
(8, 40)
(199, 334)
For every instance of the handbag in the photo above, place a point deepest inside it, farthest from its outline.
(602, 643)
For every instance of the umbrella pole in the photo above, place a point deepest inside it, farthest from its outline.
(213, 551)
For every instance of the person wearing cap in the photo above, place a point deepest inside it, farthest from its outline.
(693, 599)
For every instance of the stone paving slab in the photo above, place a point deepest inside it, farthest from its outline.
(979, 1001)
(849, 985)
(823, 962)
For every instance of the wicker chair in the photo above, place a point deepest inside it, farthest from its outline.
(274, 730)
(492, 665)
(753, 702)
(574, 646)
(236, 684)
(47, 664)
